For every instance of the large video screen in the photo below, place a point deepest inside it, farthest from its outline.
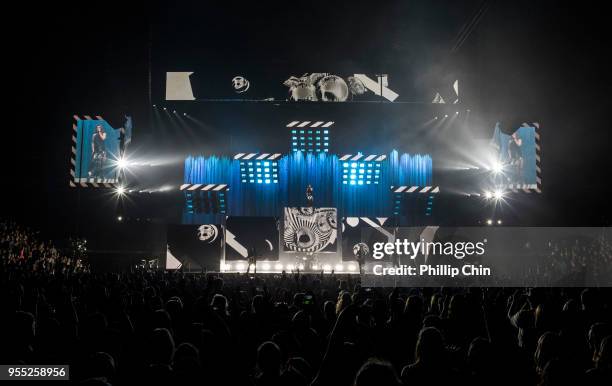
(516, 158)
(194, 247)
(251, 236)
(358, 233)
(393, 65)
(95, 151)
(310, 230)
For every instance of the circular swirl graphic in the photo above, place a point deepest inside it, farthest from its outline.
(308, 229)
(207, 233)
(361, 249)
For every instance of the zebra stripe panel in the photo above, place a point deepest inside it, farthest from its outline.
(73, 184)
(538, 188)
(310, 123)
(415, 189)
(257, 156)
(357, 157)
(204, 187)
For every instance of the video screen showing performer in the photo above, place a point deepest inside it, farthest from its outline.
(98, 153)
(516, 156)
(97, 148)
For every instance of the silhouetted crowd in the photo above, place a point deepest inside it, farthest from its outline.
(20, 247)
(566, 257)
(156, 327)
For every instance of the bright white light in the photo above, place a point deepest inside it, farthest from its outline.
(498, 194)
(445, 115)
(315, 267)
(120, 190)
(119, 218)
(489, 222)
(352, 267)
(266, 266)
(290, 267)
(300, 266)
(239, 266)
(227, 267)
(488, 195)
(497, 167)
(122, 163)
(327, 267)
(499, 222)
(457, 112)
(339, 267)
(278, 267)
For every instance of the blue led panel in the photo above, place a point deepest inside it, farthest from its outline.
(360, 172)
(310, 139)
(259, 172)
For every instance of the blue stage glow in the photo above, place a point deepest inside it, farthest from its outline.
(327, 174)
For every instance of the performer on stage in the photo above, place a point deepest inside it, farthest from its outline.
(361, 256)
(515, 152)
(252, 260)
(361, 250)
(98, 153)
(309, 196)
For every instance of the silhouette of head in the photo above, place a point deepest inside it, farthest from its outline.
(430, 346)
(161, 346)
(547, 349)
(376, 373)
(269, 358)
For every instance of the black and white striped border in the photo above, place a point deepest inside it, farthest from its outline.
(257, 156)
(310, 123)
(204, 187)
(361, 157)
(83, 182)
(74, 184)
(415, 189)
(538, 187)
(523, 188)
